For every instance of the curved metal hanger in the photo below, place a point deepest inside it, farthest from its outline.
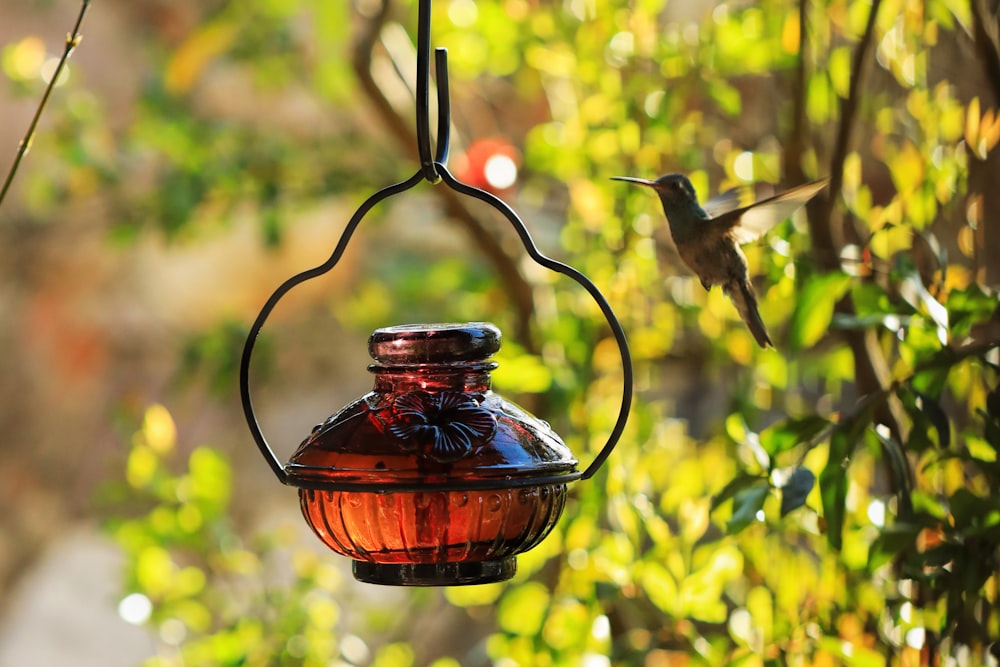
(433, 169)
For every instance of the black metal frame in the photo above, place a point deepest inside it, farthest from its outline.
(433, 169)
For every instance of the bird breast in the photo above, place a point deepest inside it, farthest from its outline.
(716, 260)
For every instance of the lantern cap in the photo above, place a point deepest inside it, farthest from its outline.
(410, 344)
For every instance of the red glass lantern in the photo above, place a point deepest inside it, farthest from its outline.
(460, 479)
(432, 478)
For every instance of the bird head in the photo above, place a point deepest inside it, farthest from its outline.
(675, 190)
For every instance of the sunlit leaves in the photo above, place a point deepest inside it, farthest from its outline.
(23, 60)
(814, 308)
(522, 611)
(521, 372)
(625, 89)
(839, 70)
(981, 132)
(746, 504)
(659, 585)
(928, 417)
(396, 654)
(907, 168)
(207, 601)
(195, 53)
(819, 98)
(968, 308)
(726, 96)
(833, 479)
(786, 434)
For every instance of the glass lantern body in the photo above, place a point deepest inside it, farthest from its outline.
(432, 478)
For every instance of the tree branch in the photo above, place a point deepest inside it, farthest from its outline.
(828, 235)
(796, 142)
(72, 41)
(872, 374)
(986, 45)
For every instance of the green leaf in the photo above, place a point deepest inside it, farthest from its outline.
(735, 485)
(210, 480)
(795, 491)
(659, 586)
(839, 68)
(788, 433)
(833, 478)
(968, 307)
(814, 309)
(746, 504)
(726, 96)
(936, 416)
(968, 509)
(819, 97)
(523, 609)
(892, 540)
(899, 464)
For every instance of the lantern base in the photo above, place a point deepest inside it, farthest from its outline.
(435, 574)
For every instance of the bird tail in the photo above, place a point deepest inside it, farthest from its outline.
(743, 297)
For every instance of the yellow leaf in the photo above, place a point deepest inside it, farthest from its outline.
(194, 53)
(522, 611)
(989, 131)
(967, 241)
(761, 607)
(659, 586)
(907, 167)
(590, 202)
(23, 61)
(158, 429)
(154, 570)
(141, 467)
(839, 67)
(891, 240)
(852, 172)
(790, 33)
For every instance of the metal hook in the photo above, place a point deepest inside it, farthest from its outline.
(444, 105)
(433, 169)
(427, 161)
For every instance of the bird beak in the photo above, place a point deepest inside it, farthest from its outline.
(639, 181)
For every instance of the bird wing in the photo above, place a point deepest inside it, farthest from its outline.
(747, 223)
(736, 198)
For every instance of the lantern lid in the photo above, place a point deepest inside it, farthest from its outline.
(407, 344)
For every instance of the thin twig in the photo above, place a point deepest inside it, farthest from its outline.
(871, 370)
(72, 41)
(825, 230)
(795, 145)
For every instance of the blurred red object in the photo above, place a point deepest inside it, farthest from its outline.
(489, 164)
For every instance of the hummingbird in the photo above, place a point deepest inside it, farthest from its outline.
(708, 238)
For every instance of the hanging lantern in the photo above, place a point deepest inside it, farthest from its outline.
(432, 478)
(443, 481)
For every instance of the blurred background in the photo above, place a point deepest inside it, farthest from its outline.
(831, 501)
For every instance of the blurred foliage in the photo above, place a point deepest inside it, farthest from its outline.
(765, 507)
(210, 596)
